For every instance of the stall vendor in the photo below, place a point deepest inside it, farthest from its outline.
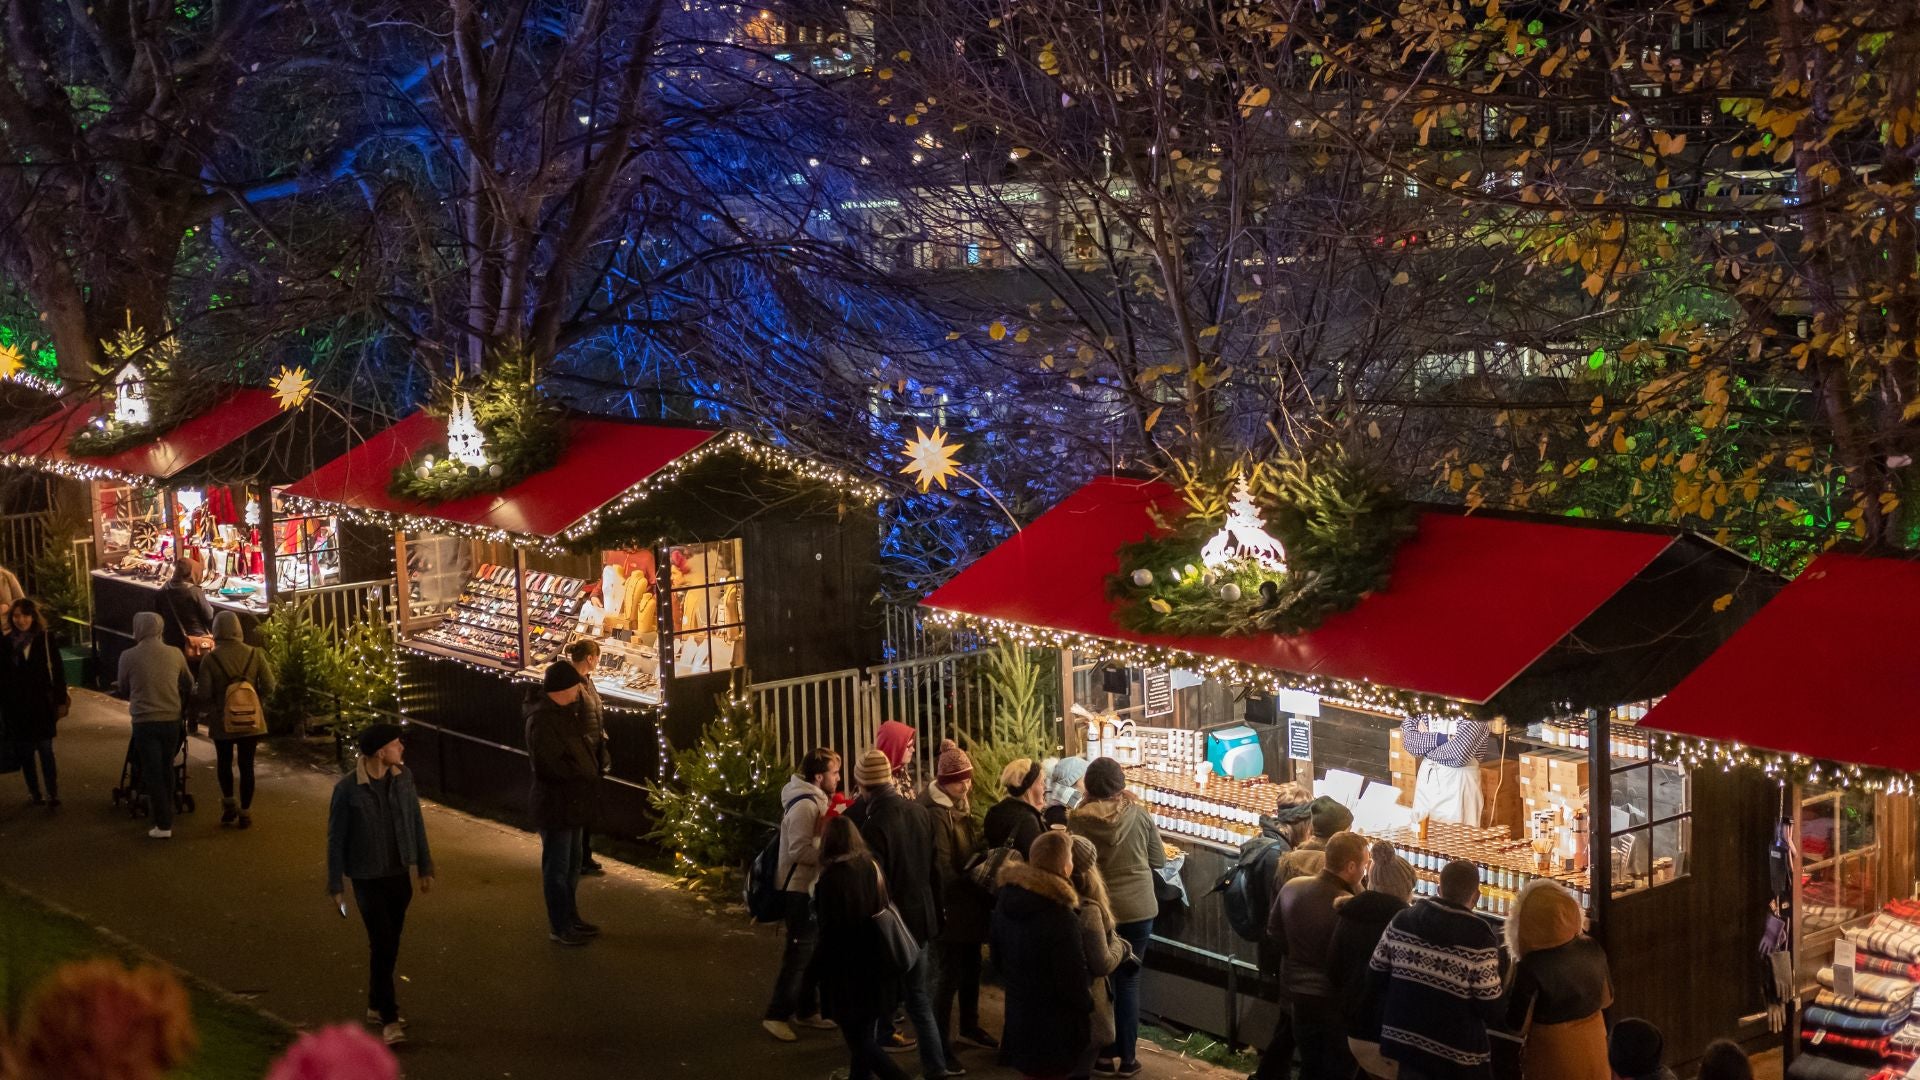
(1449, 749)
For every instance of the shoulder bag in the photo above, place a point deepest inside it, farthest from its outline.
(65, 703)
(896, 941)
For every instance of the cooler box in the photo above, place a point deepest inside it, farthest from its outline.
(1235, 752)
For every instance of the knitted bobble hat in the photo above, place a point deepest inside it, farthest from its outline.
(953, 765)
(874, 770)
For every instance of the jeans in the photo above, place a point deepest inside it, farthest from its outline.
(1126, 994)
(560, 854)
(866, 1059)
(796, 990)
(956, 971)
(224, 751)
(1276, 1062)
(383, 908)
(154, 745)
(1321, 1032)
(43, 750)
(933, 1052)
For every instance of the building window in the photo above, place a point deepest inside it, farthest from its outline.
(1839, 857)
(707, 593)
(1652, 824)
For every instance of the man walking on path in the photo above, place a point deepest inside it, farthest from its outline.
(565, 773)
(375, 835)
(584, 655)
(157, 685)
(1437, 973)
(900, 832)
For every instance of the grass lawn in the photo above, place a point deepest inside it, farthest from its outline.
(236, 1042)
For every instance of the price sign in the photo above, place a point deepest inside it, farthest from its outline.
(1843, 964)
(1299, 738)
(1159, 692)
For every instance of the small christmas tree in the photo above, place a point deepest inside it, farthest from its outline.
(715, 810)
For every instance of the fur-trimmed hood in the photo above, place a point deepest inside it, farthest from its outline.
(1041, 883)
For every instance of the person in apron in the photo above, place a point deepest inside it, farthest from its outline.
(1449, 749)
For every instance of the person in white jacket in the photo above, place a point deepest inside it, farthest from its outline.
(10, 590)
(803, 813)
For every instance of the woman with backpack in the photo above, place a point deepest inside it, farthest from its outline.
(235, 681)
(33, 696)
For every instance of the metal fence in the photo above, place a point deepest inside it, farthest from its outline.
(23, 539)
(337, 609)
(910, 636)
(940, 697)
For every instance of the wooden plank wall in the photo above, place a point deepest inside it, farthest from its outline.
(1357, 742)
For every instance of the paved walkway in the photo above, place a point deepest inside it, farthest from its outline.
(672, 989)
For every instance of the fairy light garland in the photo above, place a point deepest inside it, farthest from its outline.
(76, 470)
(1134, 654)
(1695, 753)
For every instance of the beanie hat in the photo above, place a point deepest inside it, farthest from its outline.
(1391, 874)
(1105, 778)
(1330, 817)
(953, 765)
(874, 770)
(374, 736)
(1085, 855)
(1020, 774)
(1635, 1048)
(1063, 780)
(561, 675)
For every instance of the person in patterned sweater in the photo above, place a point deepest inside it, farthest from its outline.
(1436, 973)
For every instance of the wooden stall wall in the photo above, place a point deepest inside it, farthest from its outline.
(810, 596)
(1686, 955)
(1354, 741)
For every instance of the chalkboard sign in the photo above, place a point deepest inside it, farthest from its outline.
(1159, 692)
(1299, 738)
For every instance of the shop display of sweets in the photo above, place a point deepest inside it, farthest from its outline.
(1506, 864)
(1219, 810)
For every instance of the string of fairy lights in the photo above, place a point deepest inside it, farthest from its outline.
(1787, 768)
(75, 470)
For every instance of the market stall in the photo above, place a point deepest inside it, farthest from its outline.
(689, 555)
(1817, 696)
(1542, 637)
(203, 490)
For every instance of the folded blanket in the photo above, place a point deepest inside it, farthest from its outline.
(1908, 910)
(1907, 1039)
(1888, 936)
(1886, 965)
(1859, 1006)
(1837, 1022)
(1815, 1067)
(1877, 987)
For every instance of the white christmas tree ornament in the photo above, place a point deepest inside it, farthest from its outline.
(1244, 536)
(465, 443)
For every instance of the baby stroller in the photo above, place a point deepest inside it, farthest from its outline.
(131, 793)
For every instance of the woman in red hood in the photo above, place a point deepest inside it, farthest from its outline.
(895, 740)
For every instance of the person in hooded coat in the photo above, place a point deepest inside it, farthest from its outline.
(1038, 950)
(232, 659)
(157, 684)
(1359, 923)
(1558, 988)
(895, 740)
(859, 988)
(966, 918)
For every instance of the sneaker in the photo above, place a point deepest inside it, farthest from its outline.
(586, 929)
(979, 1038)
(1116, 1067)
(568, 938)
(780, 1029)
(954, 1068)
(246, 820)
(373, 1017)
(229, 811)
(36, 800)
(895, 1043)
(393, 1034)
(592, 869)
(159, 833)
(818, 1023)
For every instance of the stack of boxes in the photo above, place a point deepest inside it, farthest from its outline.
(1404, 767)
(1553, 780)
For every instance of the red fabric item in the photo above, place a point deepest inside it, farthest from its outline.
(1473, 600)
(602, 460)
(233, 416)
(1835, 1041)
(1904, 909)
(895, 740)
(1875, 964)
(1820, 670)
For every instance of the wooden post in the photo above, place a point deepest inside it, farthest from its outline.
(402, 585)
(520, 597)
(1069, 731)
(1600, 819)
(269, 543)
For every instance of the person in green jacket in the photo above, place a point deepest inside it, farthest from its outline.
(1130, 853)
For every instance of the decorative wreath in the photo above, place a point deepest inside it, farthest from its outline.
(525, 434)
(1334, 521)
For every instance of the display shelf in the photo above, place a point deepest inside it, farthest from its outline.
(485, 620)
(1220, 811)
(1506, 865)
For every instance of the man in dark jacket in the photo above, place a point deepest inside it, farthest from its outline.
(1037, 950)
(1359, 924)
(1437, 974)
(566, 772)
(1303, 921)
(956, 839)
(900, 832)
(377, 838)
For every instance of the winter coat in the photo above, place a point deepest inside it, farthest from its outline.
(566, 772)
(851, 957)
(594, 713)
(33, 686)
(1130, 852)
(1038, 951)
(956, 839)
(900, 833)
(184, 611)
(1305, 860)
(1012, 822)
(154, 677)
(232, 658)
(1436, 973)
(354, 818)
(1357, 927)
(1303, 921)
(804, 806)
(10, 590)
(1104, 949)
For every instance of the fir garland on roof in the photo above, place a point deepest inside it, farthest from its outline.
(1335, 514)
(167, 401)
(524, 434)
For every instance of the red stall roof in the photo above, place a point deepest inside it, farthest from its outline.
(1472, 603)
(237, 413)
(603, 460)
(1822, 670)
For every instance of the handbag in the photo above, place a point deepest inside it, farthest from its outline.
(896, 941)
(983, 870)
(65, 705)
